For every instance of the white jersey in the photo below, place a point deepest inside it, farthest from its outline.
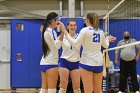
(54, 44)
(70, 53)
(91, 40)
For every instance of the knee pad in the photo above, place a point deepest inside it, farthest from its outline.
(53, 90)
(77, 91)
(43, 90)
(61, 90)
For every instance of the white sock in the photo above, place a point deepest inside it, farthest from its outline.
(137, 92)
(43, 90)
(77, 91)
(61, 90)
(53, 90)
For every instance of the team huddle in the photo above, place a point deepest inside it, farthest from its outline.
(89, 67)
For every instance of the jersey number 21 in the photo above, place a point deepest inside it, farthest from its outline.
(96, 37)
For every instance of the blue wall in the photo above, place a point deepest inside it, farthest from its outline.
(26, 73)
(117, 28)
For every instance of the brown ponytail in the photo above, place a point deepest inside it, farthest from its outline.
(93, 18)
(95, 21)
(45, 47)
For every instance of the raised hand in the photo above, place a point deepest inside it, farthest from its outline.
(111, 38)
(62, 28)
(41, 28)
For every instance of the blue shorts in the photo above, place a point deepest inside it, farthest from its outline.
(69, 65)
(46, 67)
(95, 69)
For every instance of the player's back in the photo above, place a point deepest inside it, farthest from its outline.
(93, 40)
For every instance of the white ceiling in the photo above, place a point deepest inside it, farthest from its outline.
(26, 8)
(39, 8)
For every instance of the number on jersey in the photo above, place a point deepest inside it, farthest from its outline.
(96, 37)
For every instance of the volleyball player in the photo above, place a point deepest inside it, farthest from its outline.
(91, 63)
(69, 62)
(49, 61)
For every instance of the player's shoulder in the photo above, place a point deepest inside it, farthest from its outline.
(84, 29)
(100, 31)
(48, 29)
(89, 28)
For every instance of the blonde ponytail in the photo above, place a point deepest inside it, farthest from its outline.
(95, 21)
